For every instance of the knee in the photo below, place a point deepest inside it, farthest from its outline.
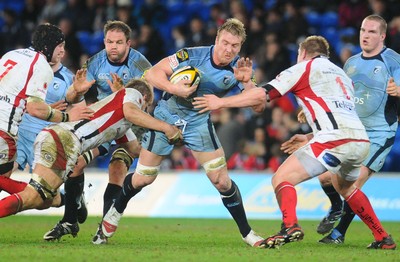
(144, 175)
(121, 155)
(218, 174)
(325, 179)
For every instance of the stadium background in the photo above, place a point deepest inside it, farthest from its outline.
(274, 28)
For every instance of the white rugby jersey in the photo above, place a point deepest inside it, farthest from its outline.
(108, 122)
(23, 73)
(326, 95)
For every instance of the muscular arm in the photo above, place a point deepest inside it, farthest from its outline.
(252, 97)
(136, 116)
(38, 108)
(158, 76)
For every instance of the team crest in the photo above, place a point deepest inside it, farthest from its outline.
(48, 157)
(56, 86)
(45, 86)
(226, 80)
(3, 156)
(182, 55)
(377, 69)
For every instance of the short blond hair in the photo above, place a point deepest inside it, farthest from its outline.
(315, 45)
(143, 87)
(235, 27)
(380, 20)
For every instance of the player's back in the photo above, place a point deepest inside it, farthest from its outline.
(57, 91)
(23, 73)
(108, 122)
(326, 93)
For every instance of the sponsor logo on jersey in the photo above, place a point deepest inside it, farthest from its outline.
(359, 100)
(351, 70)
(344, 104)
(173, 61)
(5, 98)
(377, 69)
(331, 160)
(102, 76)
(182, 55)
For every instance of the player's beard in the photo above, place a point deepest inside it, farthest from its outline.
(117, 57)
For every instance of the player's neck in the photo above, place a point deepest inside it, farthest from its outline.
(374, 52)
(56, 66)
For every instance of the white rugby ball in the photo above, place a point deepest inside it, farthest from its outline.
(186, 73)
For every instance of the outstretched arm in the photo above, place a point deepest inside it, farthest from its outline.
(79, 87)
(254, 97)
(137, 117)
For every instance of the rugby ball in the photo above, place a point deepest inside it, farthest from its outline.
(186, 73)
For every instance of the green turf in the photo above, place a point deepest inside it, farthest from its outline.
(174, 239)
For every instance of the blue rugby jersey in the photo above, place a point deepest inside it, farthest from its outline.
(215, 80)
(376, 109)
(100, 69)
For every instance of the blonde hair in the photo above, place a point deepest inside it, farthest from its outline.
(143, 87)
(315, 45)
(235, 27)
(380, 20)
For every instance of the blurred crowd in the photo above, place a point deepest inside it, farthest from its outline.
(274, 27)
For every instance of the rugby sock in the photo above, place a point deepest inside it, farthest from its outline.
(361, 206)
(345, 221)
(10, 205)
(127, 192)
(287, 200)
(62, 196)
(334, 197)
(110, 194)
(11, 186)
(73, 193)
(233, 202)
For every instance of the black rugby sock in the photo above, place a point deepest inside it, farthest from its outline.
(127, 192)
(110, 195)
(233, 202)
(334, 197)
(345, 221)
(73, 192)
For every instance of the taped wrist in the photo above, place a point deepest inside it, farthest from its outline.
(88, 156)
(64, 117)
(50, 114)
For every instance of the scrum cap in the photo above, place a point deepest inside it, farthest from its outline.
(46, 38)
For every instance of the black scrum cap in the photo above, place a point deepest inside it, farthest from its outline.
(46, 38)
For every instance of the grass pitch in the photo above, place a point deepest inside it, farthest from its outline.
(175, 239)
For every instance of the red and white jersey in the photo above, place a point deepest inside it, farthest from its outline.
(108, 122)
(23, 73)
(325, 93)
